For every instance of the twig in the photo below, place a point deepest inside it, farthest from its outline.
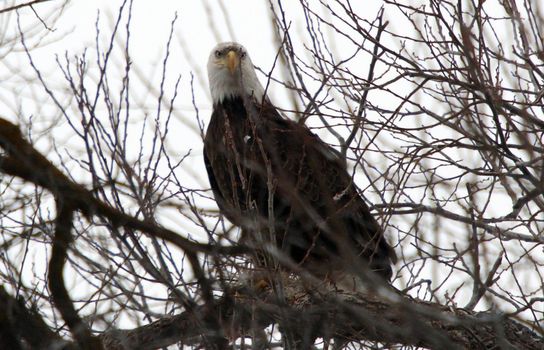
(16, 7)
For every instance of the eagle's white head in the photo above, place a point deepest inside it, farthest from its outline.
(231, 73)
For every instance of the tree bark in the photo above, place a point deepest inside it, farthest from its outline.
(342, 316)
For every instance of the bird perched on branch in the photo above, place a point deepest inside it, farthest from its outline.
(287, 189)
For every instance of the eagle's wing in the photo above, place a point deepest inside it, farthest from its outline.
(326, 212)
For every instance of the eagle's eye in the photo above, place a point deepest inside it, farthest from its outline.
(243, 54)
(218, 54)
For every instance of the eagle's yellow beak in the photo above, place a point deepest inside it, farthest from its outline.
(233, 61)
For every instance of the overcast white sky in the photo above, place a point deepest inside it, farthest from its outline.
(75, 32)
(249, 23)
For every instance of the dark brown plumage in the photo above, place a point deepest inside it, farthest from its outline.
(283, 185)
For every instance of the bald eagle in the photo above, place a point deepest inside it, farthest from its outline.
(280, 183)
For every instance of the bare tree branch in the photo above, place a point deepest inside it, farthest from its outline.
(25, 162)
(26, 4)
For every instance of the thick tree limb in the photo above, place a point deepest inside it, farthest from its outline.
(59, 293)
(23, 328)
(339, 315)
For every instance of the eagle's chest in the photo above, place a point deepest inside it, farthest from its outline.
(237, 158)
(238, 137)
(231, 129)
